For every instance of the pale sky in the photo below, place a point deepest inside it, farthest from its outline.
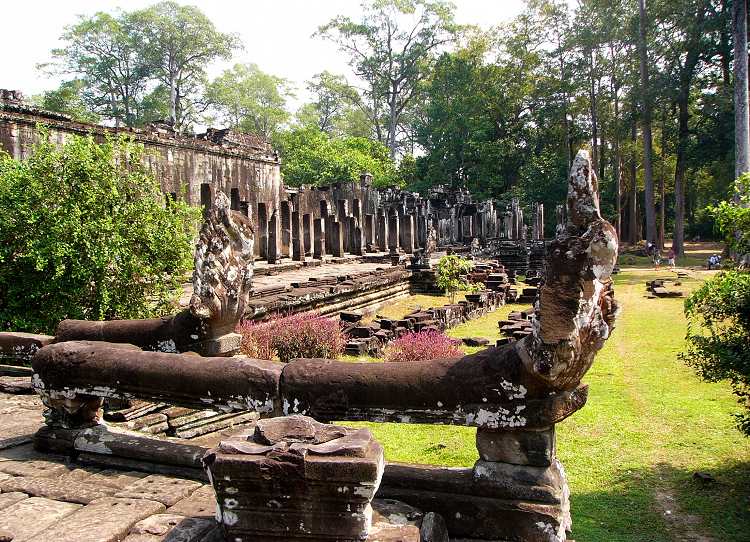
(277, 34)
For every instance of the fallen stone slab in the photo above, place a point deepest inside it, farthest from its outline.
(30, 516)
(433, 528)
(11, 498)
(21, 347)
(34, 468)
(174, 528)
(17, 385)
(104, 520)
(163, 489)
(475, 341)
(201, 503)
(57, 489)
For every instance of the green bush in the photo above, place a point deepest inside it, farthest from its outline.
(85, 233)
(719, 311)
(719, 335)
(450, 275)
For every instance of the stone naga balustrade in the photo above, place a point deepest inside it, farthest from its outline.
(513, 394)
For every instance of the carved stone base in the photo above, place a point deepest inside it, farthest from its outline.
(225, 345)
(491, 502)
(525, 447)
(296, 480)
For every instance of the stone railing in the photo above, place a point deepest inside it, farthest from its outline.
(513, 394)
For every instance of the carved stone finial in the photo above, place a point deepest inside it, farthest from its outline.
(223, 269)
(576, 310)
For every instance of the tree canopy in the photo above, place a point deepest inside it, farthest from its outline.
(647, 87)
(85, 233)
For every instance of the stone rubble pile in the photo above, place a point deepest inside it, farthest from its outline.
(660, 288)
(370, 338)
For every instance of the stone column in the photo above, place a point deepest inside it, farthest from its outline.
(343, 215)
(407, 233)
(369, 230)
(382, 232)
(307, 233)
(262, 231)
(286, 230)
(393, 236)
(337, 238)
(319, 241)
(357, 237)
(274, 236)
(298, 244)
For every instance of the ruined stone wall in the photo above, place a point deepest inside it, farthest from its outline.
(297, 223)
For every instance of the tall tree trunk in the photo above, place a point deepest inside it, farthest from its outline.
(392, 122)
(741, 115)
(594, 127)
(633, 207)
(566, 123)
(662, 177)
(648, 173)
(678, 237)
(173, 100)
(616, 160)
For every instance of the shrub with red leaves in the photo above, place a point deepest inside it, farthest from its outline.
(304, 335)
(423, 346)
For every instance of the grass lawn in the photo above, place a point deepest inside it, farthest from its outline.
(631, 453)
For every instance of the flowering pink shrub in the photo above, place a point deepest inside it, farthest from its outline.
(304, 335)
(422, 346)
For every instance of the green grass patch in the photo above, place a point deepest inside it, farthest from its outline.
(649, 424)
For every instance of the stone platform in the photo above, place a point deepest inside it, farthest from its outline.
(46, 496)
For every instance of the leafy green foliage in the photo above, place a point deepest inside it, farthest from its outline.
(67, 99)
(733, 217)
(719, 311)
(250, 100)
(85, 233)
(719, 334)
(450, 274)
(309, 156)
(392, 48)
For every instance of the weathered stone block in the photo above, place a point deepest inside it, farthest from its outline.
(532, 447)
(225, 345)
(296, 479)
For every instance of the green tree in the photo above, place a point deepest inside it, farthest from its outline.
(450, 275)
(85, 233)
(392, 49)
(103, 53)
(333, 102)
(719, 311)
(67, 99)
(251, 100)
(178, 43)
(310, 156)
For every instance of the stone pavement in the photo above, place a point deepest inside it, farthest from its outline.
(52, 498)
(47, 497)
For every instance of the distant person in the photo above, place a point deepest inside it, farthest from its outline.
(670, 258)
(657, 258)
(714, 262)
